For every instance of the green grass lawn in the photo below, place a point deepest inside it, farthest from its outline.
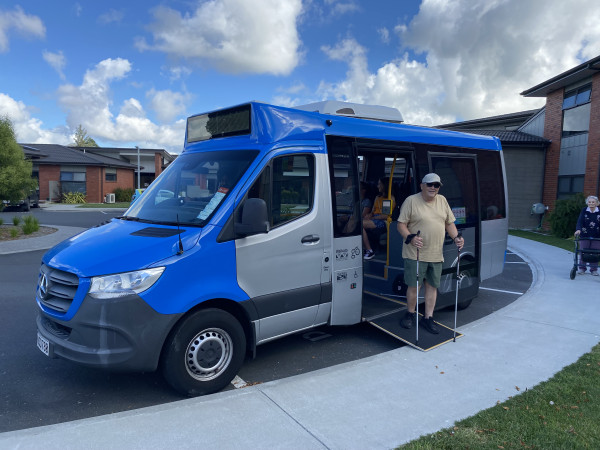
(567, 244)
(105, 205)
(561, 413)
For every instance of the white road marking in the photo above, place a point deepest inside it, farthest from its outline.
(500, 290)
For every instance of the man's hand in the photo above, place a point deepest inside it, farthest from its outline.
(414, 239)
(459, 241)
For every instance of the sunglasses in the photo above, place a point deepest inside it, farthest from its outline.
(435, 185)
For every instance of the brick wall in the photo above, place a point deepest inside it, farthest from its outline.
(125, 180)
(93, 184)
(97, 186)
(592, 163)
(553, 132)
(47, 174)
(157, 165)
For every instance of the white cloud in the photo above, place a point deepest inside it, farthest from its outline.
(89, 105)
(476, 56)
(26, 24)
(28, 129)
(57, 62)
(178, 73)
(167, 105)
(236, 36)
(384, 34)
(111, 16)
(339, 7)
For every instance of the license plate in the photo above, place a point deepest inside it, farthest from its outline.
(43, 344)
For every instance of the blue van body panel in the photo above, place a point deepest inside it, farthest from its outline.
(206, 272)
(206, 269)
(111, 248)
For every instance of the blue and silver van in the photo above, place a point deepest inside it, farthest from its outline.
(254, 233)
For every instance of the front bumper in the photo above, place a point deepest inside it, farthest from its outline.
(123, 334)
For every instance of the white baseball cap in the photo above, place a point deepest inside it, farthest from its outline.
(432, 178)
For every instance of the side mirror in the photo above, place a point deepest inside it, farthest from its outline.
(255, 219)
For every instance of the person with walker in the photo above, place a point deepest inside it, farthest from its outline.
(588, 229)
(429, 213)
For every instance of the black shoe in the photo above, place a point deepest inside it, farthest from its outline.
(408, 321)
(430, 325)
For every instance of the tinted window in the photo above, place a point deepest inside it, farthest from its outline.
(459, 186)
(344, 186)
(287, 187)
(491, 185)
(576, 120)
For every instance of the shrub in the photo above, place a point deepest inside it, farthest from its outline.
(1, 221)
(16, 220)
(72, 198)
(123, 194)
(31, 225)
(564, 217)
(14, 233)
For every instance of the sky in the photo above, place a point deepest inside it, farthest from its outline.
(131, 72)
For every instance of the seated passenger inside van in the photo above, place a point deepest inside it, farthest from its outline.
(376, 221)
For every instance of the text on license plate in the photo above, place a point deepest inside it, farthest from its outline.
(43, 344)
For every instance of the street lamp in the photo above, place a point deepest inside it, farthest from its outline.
(138, 166)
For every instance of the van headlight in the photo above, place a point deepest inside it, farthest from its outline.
(122, 284)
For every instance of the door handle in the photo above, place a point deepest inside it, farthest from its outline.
(310, 239)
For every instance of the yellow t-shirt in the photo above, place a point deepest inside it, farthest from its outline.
(431, 219)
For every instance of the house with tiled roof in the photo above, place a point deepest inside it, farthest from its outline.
(93, 171)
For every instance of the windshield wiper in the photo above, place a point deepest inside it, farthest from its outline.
(136, 219)
(133, 219)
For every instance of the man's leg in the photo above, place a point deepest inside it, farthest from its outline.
(410, 277)
(430, 299)
(411, 298)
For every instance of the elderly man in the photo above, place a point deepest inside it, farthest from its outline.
(429, 213)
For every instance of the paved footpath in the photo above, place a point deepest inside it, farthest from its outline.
(377, 402)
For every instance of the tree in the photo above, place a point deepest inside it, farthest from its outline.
(82, 139)
(15, 171)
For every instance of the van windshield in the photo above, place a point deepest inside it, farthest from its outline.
(191, 189)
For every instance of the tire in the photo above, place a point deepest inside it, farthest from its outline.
(204, 352)
(572, 274)
(26, 205)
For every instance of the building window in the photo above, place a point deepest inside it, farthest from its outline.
(72, 179)
(576, 111)
(569, 185)
(110, 174)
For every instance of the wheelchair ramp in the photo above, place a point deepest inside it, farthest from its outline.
(385, 313)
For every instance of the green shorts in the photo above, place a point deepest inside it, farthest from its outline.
(431, 272)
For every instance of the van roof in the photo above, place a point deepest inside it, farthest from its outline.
(263, 123)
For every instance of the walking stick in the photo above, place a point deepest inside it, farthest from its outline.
(417, 303)
(457, 285)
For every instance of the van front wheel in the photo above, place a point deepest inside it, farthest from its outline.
(204, 353)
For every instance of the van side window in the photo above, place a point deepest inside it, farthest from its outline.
(287, 186)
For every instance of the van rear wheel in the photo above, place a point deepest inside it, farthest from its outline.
(204, 353)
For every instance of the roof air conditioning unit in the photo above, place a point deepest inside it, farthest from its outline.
(110, 198)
